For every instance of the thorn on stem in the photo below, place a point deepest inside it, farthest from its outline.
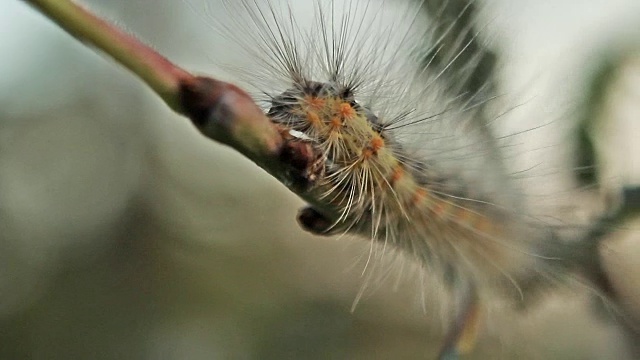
(314, 222)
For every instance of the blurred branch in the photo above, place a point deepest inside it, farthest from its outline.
(467, 66)
(459, 46)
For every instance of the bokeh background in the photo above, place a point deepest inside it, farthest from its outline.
(124, 234)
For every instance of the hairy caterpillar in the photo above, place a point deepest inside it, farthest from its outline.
(407, 157)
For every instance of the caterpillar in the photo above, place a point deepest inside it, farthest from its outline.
(390, 122)
(409, 159)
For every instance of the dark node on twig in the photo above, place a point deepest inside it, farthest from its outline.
(227, 114)
(199, 97)
(314, 222)
(306, 161)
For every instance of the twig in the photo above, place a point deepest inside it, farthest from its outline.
(221, 111)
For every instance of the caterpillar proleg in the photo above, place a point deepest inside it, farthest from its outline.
(409, 159)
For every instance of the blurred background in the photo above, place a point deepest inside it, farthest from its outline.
(124, 234)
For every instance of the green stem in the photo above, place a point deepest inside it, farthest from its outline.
(156, 71)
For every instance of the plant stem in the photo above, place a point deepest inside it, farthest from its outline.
(221, 111)
(157, 72)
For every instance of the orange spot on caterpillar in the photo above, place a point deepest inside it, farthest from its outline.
(367, 153)
(313, 118)
(346, 111)
(336, 123)
(397, 174)
(315, 103)
(462, 214)
(419, 196)
(372, 149)
(440, 208)
(376, 144)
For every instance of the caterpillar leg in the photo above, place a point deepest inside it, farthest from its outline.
(462, 335)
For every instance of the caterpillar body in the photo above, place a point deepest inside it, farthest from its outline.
(405, 160)
(408, 160)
